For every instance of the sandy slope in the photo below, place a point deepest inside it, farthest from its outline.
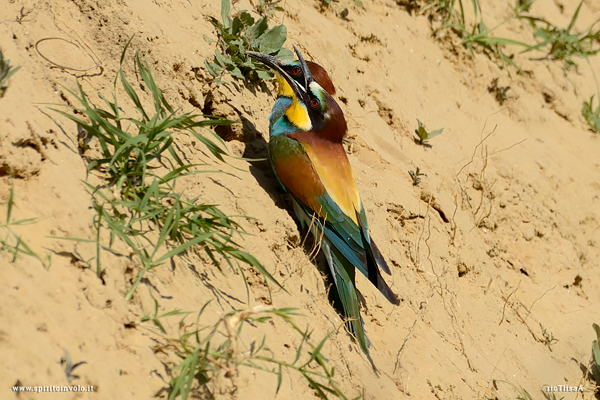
(499, 244)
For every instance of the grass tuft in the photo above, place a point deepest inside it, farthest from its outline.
(591, 115)
(206, 350)
(6, 71)
(13, 243)
(522, 393)
(564, 44)
(139, 205)
(155, 317)
(448, 16)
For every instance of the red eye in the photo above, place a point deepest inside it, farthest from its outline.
(314, 103)
(296, 71)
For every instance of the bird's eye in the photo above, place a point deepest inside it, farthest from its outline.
(314, 103)
(296, 71)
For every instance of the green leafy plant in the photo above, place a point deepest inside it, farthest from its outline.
(564, 44)
(69, 367)
(548, 338)
(416, 176)
(6, 71)
(203, 355)
(141, 169)
(241, 33)
(155, 317)
(596, 354)
(13, 243)
(267, 7)
(423, 136)
(591, 115)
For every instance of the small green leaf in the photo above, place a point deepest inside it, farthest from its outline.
(279, 379)
(236, 26)
(212, 68)
(246, 18)
(433, 134)
(237, 73)
(263, 75)
(258, 29)
(285, 54)
(207, 39)
(597, 330)
(272, 41)
(225, 8)
(224, 61)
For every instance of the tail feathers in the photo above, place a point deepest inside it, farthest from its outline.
(386, 291)
(374, 259)
(379, 258)
(370, 246)
(348, 299)
(368, 263)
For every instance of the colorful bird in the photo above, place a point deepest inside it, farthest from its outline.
(305, 150)
(295, 71)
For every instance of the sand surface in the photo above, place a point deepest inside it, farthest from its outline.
(494, 254)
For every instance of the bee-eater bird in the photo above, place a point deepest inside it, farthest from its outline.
(294, 70)
(305, 150)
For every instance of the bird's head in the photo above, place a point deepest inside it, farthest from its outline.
(313, 108)
(295, 71)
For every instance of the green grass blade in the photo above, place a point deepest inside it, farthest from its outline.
(574, 19)
(185, 246)
(132, 94)
(11, 197)
(125, 49)
(249, 259)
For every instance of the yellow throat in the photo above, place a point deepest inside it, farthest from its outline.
(296, 113)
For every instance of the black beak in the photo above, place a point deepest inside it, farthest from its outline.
(308, 78)
(274, 64)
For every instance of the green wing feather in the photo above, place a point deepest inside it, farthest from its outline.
(343, 275)
(355, 246)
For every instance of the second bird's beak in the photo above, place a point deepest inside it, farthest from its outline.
(308, 78)
(274, 64)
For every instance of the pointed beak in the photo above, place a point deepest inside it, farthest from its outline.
(275, 64)
(268, 60)
(308, 77)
